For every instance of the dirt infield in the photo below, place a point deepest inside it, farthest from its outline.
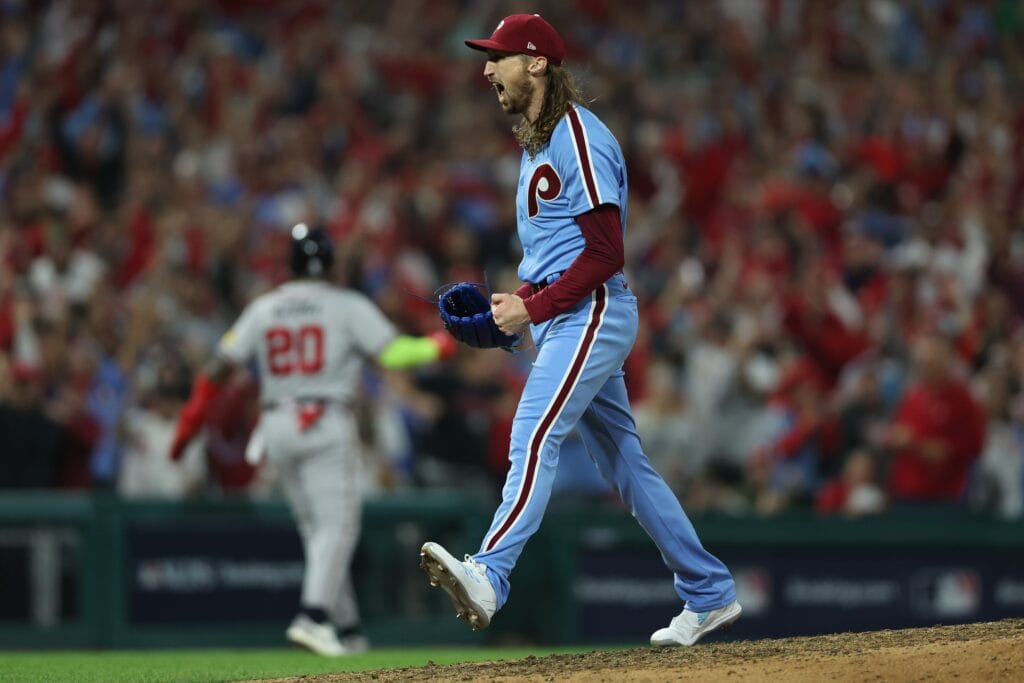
(972, 652)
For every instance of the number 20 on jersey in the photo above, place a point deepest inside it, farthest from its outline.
(291, 350)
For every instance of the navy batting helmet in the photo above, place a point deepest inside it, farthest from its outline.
(312, 252)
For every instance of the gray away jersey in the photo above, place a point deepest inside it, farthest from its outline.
(309, 339)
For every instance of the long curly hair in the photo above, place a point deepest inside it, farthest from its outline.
(562, 91)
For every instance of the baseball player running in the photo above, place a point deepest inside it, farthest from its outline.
(571, 213)
(309, 339)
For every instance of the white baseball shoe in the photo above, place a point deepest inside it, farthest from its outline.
(465, 582)
(319, 638)
(689, 627)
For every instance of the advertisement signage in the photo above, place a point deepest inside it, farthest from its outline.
(624, 592)
(222, 571)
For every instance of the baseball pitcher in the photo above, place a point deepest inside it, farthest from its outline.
(571, 216)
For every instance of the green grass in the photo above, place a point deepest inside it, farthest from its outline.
(207, 666)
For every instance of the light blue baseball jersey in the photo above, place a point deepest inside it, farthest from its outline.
(579, 170)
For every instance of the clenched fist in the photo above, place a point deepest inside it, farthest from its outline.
(509, 313)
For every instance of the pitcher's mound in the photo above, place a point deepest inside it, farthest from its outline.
(970, 652)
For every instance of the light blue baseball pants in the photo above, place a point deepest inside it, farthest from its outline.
(577, 382)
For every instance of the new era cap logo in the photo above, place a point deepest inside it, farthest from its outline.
(530, 45)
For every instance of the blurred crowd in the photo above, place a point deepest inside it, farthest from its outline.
(825, 232)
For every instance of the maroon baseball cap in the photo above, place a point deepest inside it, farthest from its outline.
(527, 34)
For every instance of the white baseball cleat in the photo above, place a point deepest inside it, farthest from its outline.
(689, 627)
(319, 638)
(465, 582)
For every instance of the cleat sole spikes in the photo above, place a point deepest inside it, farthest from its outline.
(440, 576)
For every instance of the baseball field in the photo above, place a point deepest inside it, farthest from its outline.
(986, 651)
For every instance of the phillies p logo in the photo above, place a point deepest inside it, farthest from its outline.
(545, 184)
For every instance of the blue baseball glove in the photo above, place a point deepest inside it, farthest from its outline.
(465, 311)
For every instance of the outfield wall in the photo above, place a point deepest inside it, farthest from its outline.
(94, 571)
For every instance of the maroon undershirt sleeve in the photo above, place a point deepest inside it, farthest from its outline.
(603, 255)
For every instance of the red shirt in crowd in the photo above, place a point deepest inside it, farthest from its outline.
(946, 415)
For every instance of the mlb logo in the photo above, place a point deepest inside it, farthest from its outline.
(753, 589)
(946, 593)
